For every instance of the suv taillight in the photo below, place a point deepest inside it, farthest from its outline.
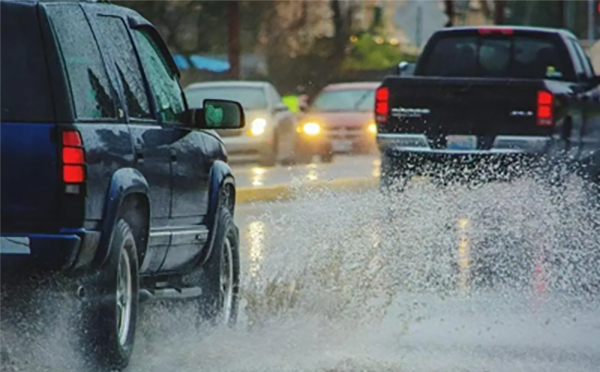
(545, 109)
(382, 106)
(73, 157)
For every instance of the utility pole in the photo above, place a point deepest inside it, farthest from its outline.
(499, 12)
(449, 8)
(234, 38)
(590, 23)
(419, 24)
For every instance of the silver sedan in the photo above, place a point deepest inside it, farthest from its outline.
(270, 132)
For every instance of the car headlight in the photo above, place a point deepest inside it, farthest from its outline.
(258, 127)
(372, 128)
(312, 129)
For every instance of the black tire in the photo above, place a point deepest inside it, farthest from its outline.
(111, 304)
(269, 158)
(300, 156)
(327, 157)
(214, 301)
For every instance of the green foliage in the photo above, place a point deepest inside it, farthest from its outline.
(367, 54)
(201, 26)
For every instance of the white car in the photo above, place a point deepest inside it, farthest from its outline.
(270, 133)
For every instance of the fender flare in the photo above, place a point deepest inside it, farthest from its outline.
(124, 182)
(220, 176)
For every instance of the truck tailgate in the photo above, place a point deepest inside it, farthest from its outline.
(475, 106)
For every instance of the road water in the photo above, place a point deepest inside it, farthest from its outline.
(500, 277)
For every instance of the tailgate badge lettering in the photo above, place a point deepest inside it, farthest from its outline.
(521, 113)
(404, 112)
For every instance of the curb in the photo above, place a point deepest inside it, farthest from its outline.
(247, 195)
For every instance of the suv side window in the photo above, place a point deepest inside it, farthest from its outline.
(116, 42)
(90, 89)
(168, 95)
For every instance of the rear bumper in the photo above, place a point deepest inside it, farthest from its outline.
(71, 249)
(312, 145)
(510, 156)
(350, 141)
(503, 145)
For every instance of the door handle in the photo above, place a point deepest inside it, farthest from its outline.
(173, 156)
(139, 157)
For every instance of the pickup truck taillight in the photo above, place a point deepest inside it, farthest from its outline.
(73, 158)
(545, 109)
(382, 106)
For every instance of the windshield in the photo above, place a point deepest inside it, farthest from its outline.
(523, 57)
(250, 98)
(345, 100)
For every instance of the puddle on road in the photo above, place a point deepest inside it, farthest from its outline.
(500, 278)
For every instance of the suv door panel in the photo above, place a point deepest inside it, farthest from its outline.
(189, 168)
(149, 141)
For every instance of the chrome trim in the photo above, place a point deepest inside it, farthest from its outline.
(401, 141)
(417, 143)
(527, 144)
(15, 245)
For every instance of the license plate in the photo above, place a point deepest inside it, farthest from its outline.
(461, 142)
(342, 146)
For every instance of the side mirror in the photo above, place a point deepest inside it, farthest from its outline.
(215, 114)
(402, 66)
(281, 107)
(405, 68)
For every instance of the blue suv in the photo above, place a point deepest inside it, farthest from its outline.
(107, 176)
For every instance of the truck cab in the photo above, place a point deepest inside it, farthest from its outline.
(483, 95)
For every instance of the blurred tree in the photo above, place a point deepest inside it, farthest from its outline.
(567, 14)
(499, 12)
(367, 54)
(449, 9)
(233, 16)
(190, 26)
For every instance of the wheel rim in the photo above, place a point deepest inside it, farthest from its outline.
(124, 297)
(226, 282)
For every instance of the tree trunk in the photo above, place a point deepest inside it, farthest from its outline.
(234, 39)
(449, 5)
(500, 12)
(339, 36)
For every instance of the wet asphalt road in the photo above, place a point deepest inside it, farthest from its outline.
(452, 280)
(502, 277)
(344, 166)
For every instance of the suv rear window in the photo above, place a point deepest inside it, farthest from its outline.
(519, 56)
(90, 88)
(26, 95)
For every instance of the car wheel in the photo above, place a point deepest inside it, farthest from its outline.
(111, 310)
(300, 156)
(327, 157)
(219, 301)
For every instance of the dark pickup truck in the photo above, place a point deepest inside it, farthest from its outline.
(493, 95)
